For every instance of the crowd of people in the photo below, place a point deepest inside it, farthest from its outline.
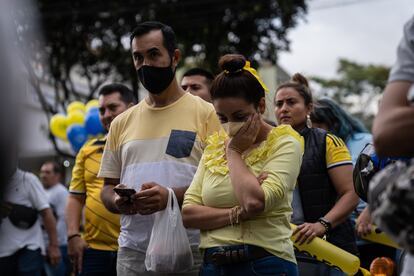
(241, 181)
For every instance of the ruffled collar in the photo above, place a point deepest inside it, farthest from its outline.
(215, 157)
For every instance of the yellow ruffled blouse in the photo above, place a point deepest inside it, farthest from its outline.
(280, 156)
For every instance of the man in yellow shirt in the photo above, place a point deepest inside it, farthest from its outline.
(154, 145)
(95, 252)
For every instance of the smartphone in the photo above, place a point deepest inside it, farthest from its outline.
(125, 192)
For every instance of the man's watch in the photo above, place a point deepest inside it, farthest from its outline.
(326, 223)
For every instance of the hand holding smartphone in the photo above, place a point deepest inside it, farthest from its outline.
(124, 192)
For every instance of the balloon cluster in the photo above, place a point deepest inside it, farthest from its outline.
(80, 122)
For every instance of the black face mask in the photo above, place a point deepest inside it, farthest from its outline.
(155, 79)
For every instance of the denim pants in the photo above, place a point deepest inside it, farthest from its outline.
(270, 265)
(24, 262)
(98, 262)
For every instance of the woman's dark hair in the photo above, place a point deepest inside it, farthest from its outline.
(301, 85)
(236, 82)
(338, 121)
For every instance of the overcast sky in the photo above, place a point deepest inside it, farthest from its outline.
(365, 31)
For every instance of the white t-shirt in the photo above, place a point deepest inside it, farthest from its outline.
(58, 196)
(403, 69)
(24, 189)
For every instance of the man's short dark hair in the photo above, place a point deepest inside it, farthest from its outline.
(57, 169)
(127, 95)
(200, 72)
(168, 34)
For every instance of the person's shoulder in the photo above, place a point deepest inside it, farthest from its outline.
(93, 143)
(314, 133)
(31, 180)
(62, 188)
(124, 116)
(199, 103)
(335, 141)
(29, 176)
(283, 132)
(337, 151)
(409, 28)
(91, 146)
(318, 131)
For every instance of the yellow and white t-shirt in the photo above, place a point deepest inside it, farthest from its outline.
(280, 156)
(162, 145)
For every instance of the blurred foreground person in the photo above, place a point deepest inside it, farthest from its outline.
(393, 132)
(13, 84)
(22, 197)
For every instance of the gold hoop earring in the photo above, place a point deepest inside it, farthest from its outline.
(308, 121)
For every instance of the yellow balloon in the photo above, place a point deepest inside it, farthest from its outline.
(75, 117)
(91, 103)
(378, 236)
(329, 254)
(58, 126)
(76, 105)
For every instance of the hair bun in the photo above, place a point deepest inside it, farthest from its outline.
(232, 62)
(299, 78)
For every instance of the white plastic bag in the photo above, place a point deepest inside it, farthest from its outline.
(169, 249)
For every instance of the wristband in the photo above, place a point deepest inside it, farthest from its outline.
(326, 224)
(72, 236)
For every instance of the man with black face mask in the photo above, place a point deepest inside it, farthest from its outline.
(153, 146)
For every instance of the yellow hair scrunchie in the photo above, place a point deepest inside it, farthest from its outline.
(252, 71)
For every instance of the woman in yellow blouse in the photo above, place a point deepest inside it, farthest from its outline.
(244, 217)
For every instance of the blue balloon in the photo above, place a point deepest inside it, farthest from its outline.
(77, 136)
(92, 123)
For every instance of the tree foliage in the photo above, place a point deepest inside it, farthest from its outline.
(87, 41)
(90, 38)
(356, 86)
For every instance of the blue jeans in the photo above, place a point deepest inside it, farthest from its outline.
(24, 262)
(270, 265)
(98, 262)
